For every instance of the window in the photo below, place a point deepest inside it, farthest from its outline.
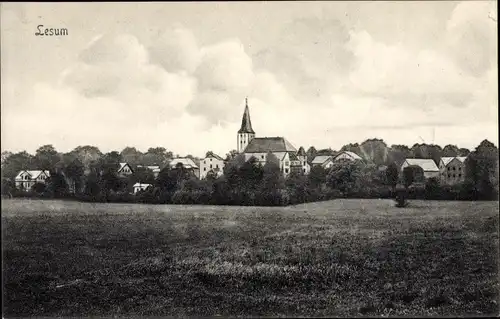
(448, 168)
(460, 168)
(286, 170)
(304, 163)
(204, 162)
(262, 156)
(205, 169)
(459, 175)
(454, 176)
(287, 163)
(454, 168)
(449, 175)
(210, 165)
(304, 170)
(217, 166)
(210, 160)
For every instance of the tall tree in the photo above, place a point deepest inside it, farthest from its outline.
(374, 151)
(482, 170)
(392, 175)
(46, 157)
(15, 163)
(131, 156)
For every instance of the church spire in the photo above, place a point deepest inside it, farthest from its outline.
(246, 124)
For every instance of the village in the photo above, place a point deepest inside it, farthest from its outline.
(449, 171)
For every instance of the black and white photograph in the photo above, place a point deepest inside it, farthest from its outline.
(260, 159)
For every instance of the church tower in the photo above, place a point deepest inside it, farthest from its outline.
(246, 133)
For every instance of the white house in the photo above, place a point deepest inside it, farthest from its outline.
(325, 161)
(258, 148)
(125, 170)
(452, 170)
(211, 163)
(428, 166)
(347, 156)
(25, 179)
(140, 187)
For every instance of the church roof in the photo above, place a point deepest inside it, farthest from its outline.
(269, 144)
(246, 123)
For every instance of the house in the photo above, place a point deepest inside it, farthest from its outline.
(125, 170)
(187, 163)
(258, 147)
(428, 166)
(211, 163)
(25, 179)
(140, 187)
(325, 161)
(452, 170)
(347, 156)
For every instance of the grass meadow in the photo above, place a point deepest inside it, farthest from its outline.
(337, 258)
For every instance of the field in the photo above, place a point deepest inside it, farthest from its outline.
(335, 258)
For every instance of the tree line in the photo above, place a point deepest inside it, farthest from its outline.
(87, 174)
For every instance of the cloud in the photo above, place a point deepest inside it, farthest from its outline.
(472, 36)
(321, 83)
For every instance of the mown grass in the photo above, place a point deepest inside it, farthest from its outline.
(336, 258)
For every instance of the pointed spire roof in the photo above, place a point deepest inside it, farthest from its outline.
(301, 152)
(246, 124)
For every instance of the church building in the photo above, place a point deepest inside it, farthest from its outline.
(250, 146)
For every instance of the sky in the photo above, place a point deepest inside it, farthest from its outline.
(176, 74)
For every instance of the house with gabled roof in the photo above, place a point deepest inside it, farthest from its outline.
(347, 156)
(25, 179)
(124, 170)
(325, 161)
(259, 147)
(212, 163)
(428, 166)
(452, 170)
(187, 163)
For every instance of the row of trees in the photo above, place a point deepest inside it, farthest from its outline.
(95, 178)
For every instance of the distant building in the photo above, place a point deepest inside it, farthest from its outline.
(347, 156)
(325, 161)
(258, 148)
(452, 170)
(125, 170)
(211, 163)
(187, 163)
(25, 179)
(428, 166)
(140, 187)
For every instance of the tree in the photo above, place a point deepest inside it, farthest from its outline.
(311, 153)
(398, 153)
(157, 156)
(38, 188)
(412, 174)
(450, 151)
(392, 175)
(131, 156)
(317, 176)
(141, 175)
(46, 157)
(345, 177)
(74, 172)
(56, 185)
(375, 151)
(432, 188)
(231, 155)
(482, 170)
(15, 163)
(87, 155)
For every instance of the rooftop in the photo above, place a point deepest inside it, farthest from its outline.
(269, 144)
